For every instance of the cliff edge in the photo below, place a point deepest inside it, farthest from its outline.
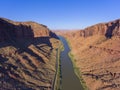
(27, 56)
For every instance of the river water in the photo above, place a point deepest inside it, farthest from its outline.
(69, 79)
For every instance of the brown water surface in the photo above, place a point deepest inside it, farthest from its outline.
(69, 79)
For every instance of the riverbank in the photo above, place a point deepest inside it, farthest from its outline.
(77, 72)
(69, 79)
(76, 69)
(57, 85)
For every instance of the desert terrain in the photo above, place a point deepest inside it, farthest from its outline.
(96, 52)
(27, 56)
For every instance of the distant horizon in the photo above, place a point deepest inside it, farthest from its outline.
(61, 28)
(61, 14)
(87, 26)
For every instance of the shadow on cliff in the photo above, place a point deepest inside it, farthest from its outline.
(109, 32)
(23, 46)
(21, 37)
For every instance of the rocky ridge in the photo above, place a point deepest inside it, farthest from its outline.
(27, 56)
(20, 30)
(96, 51)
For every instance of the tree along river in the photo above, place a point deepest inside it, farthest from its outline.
(69, 79)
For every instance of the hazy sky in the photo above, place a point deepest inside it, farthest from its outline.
(61, 14)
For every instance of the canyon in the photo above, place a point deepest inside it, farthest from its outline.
(96, 53)
(27, 56)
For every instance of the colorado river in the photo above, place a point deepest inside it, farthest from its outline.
(69, 79)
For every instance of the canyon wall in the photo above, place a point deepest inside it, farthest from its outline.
(21, 30)
(96, 53)
(27, 56)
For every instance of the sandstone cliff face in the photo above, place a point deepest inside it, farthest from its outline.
(96, 50)
(27, 56)
(20, 30)
(108, 29)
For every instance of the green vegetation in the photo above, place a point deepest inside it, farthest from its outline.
(77, 72)
(58, 76)
(76, 69)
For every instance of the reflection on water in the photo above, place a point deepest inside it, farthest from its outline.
(69, 79)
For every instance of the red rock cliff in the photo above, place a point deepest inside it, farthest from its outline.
(108, 29)
(20, 30)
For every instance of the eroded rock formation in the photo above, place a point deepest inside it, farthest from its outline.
(27, 56)
(21, 30)
(96, 50)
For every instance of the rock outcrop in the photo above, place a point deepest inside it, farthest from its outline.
(96, 51)
(21, 30)
(108, 29)
(27, 56)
